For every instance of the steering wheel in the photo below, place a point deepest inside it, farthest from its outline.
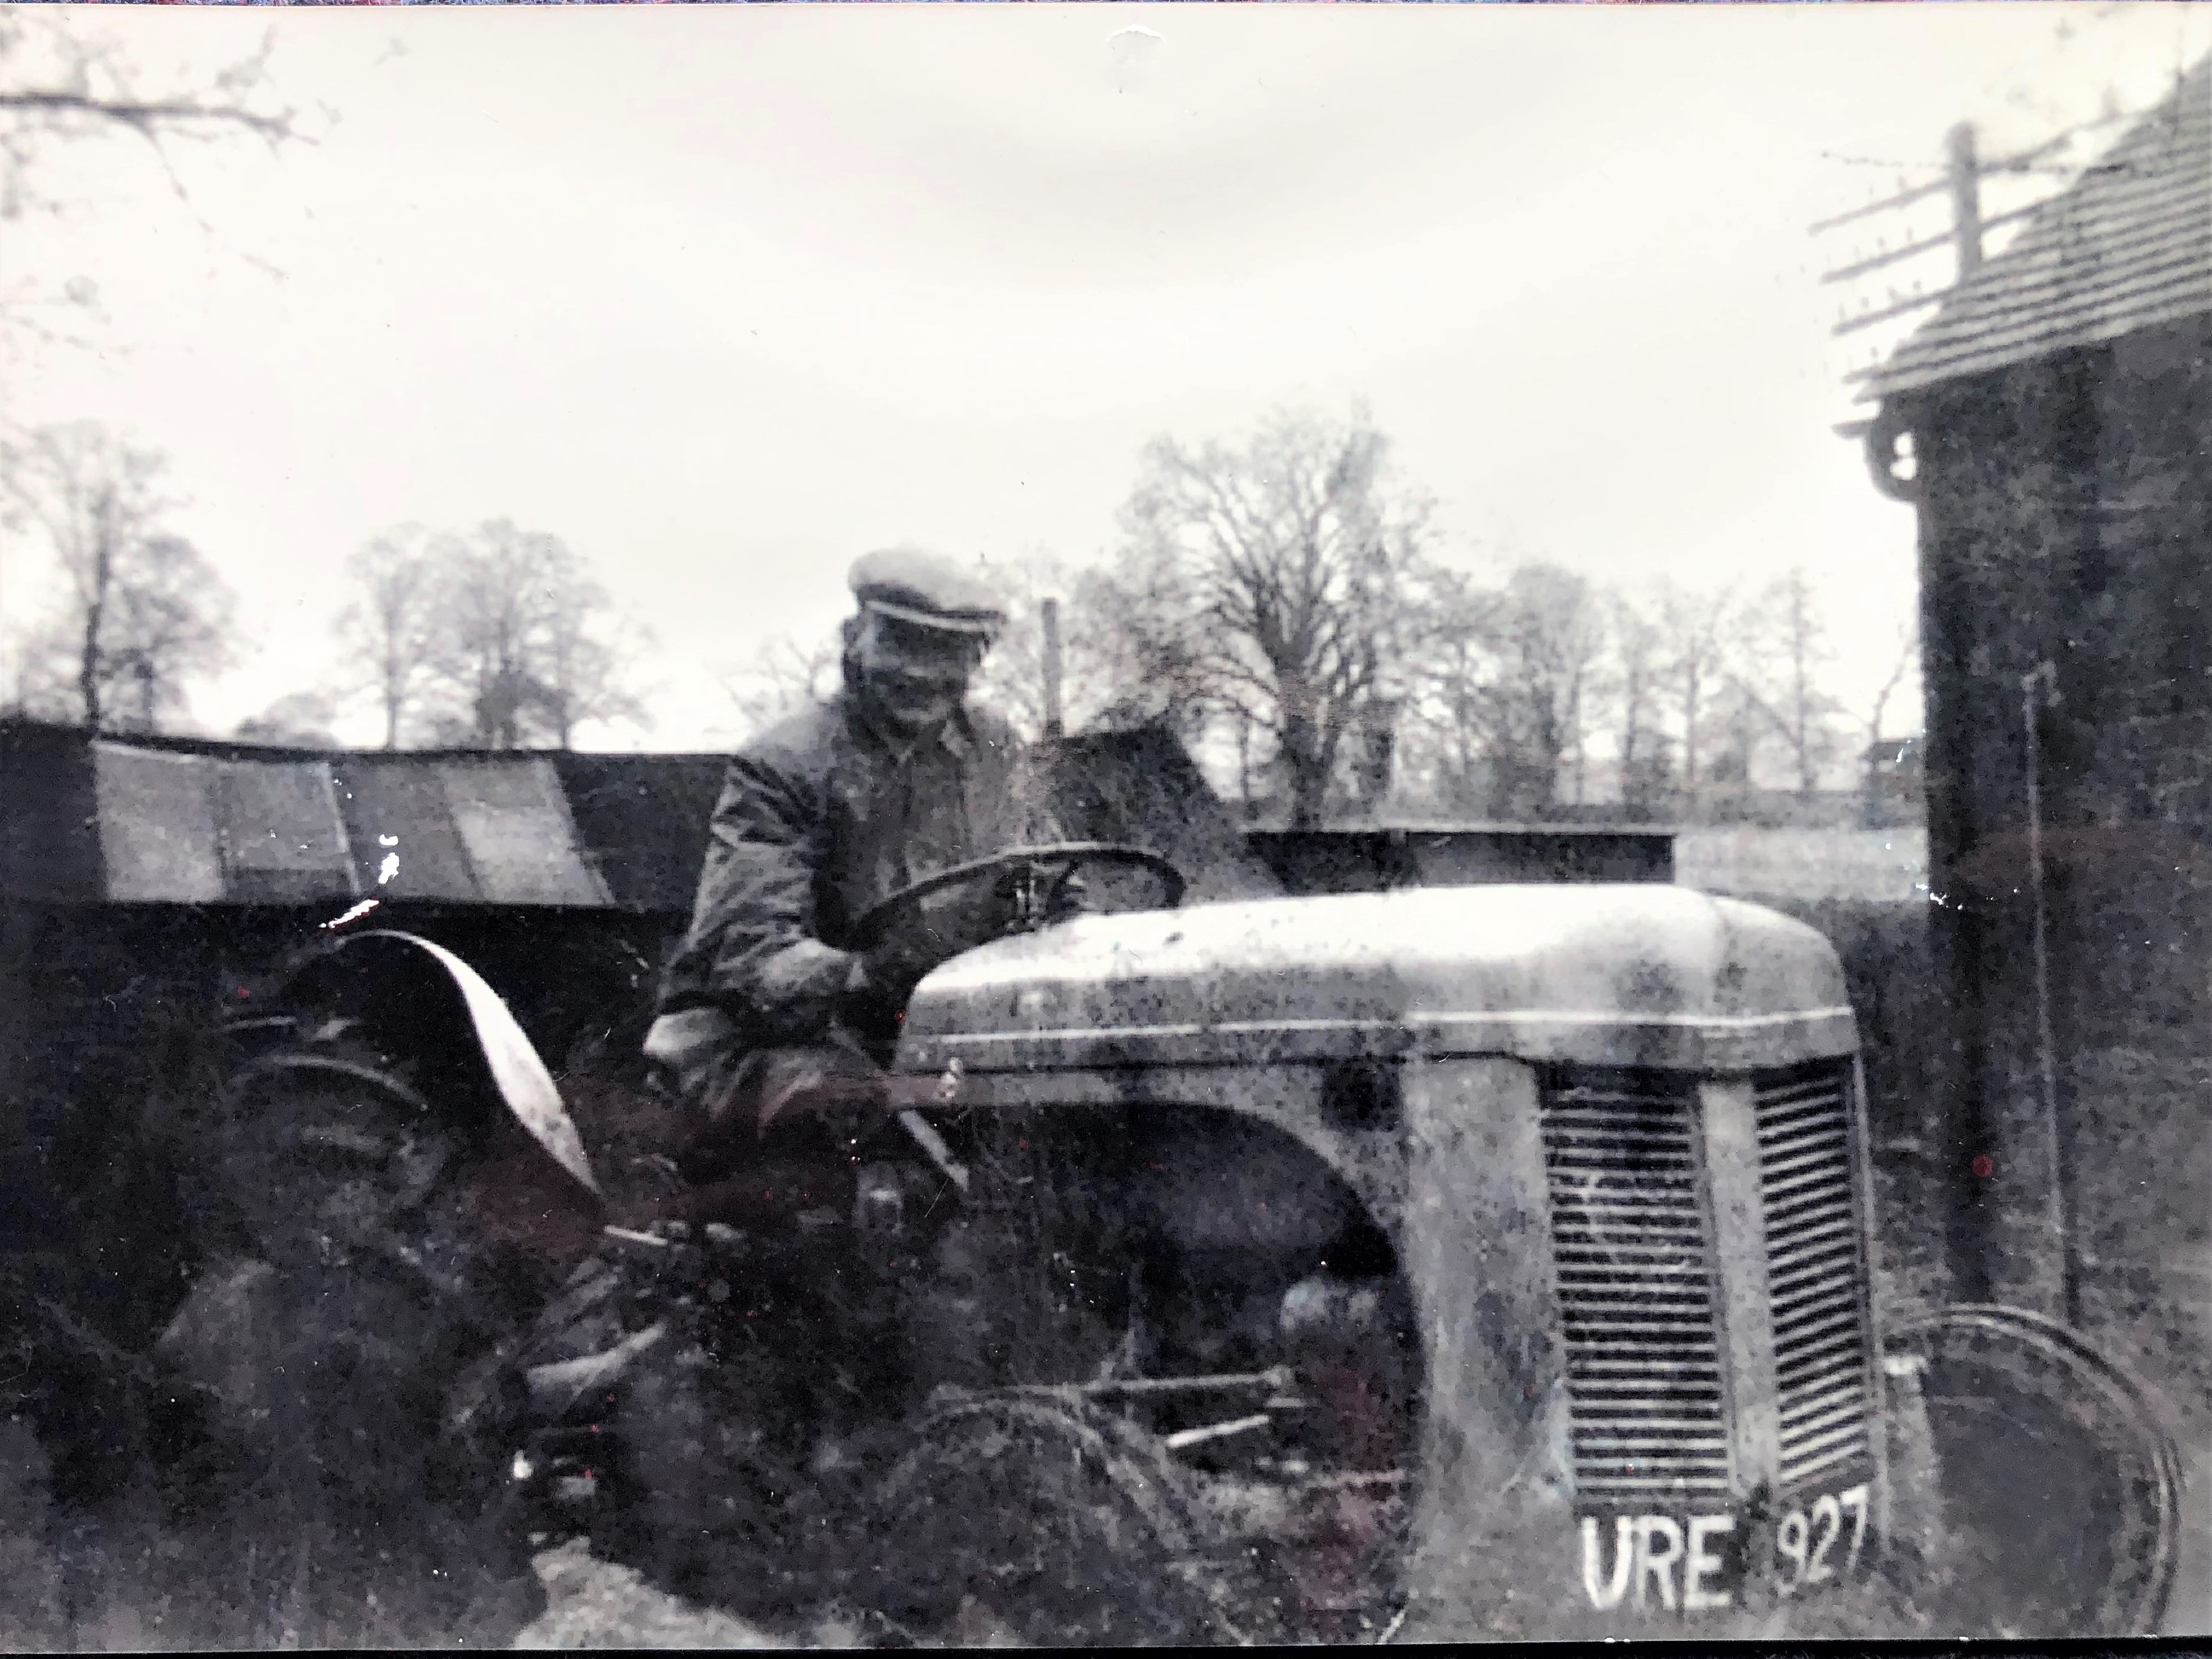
(1033, 894)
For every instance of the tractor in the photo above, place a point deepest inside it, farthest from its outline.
(1435, 1262)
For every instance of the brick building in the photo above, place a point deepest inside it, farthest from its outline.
(2051, 422)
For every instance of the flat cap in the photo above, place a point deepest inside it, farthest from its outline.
(927, 589)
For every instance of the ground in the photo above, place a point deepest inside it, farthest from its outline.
(1886, 866)
(597, 1604)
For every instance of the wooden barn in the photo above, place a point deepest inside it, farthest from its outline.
(2051, 422)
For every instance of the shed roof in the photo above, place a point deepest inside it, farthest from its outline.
(2128, 246)
(91, 819)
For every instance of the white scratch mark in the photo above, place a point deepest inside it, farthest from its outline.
(353, 915)
(389, 869)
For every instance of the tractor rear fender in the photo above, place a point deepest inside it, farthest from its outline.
(422, 998)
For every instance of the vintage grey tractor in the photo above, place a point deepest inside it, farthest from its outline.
(1445, 1262)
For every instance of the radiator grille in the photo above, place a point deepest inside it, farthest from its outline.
(1636, 1286)
(1816, 1275)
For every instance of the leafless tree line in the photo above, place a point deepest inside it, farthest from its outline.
(1282, 601)
(1285, 600)
(492, 637)
(1690, 693)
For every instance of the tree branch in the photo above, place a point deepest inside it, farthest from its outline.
(148, 117)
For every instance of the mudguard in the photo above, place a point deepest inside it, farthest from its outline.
(517, 1074)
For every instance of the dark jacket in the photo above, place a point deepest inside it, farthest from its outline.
(820, 817)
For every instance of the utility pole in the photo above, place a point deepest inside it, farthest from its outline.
(1048, 614)
(1966, 197)
(2038, 691)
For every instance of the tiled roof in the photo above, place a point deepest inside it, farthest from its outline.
(2127, 246)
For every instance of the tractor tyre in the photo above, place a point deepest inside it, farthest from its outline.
(2058, 1486)
(76, 1417)
(328, 1349)
(1044, 1520)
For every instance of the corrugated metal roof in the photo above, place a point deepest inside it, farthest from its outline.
(405, 842)
(514, 820)
(2127, 246)
(158, 837)
(643, 819)
(171, 821)
(486, 829)
(282, 842)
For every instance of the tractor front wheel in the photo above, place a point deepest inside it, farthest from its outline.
(1037, 1518)
(2056, 1488)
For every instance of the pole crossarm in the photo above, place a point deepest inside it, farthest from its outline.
(1868, 319)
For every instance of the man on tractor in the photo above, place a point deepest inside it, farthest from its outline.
(771, 1008)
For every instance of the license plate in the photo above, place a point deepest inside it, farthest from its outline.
(1697, 1562)
(1820, 1541)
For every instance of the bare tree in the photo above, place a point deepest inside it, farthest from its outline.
(1109, 674)
(299, 719)
(1547, 632)
(591, 651)
(489, 619)
(388, 631)
(527, 646)
(63, 84)
(41, 674)
(1639, 675)
(1150, 664)
(92, 497)
(1736, 726)
(1906, 665)
(1505, 682)
(1454, 677)
(783, 679)
(1787, 646)
(170, 617)
(1012, 679)
(144, 610)
(1553, 635)
(1695, 628)
(1263, 580)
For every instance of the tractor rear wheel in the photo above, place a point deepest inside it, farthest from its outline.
(329, 1346)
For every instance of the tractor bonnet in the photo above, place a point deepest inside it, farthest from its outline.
(1640, 975)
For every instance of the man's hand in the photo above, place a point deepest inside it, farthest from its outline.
(1070, 896)
(688, 1045)
(976, 913)
(883, 979)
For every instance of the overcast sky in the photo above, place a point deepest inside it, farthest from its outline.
(726, 295)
